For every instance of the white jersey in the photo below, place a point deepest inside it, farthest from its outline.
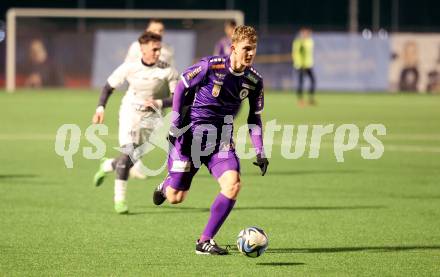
(166, 53)
(145, 83)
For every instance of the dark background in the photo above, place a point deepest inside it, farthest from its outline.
(280, 15)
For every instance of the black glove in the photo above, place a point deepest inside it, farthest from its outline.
(262, 163)
(173, 134)
(171, 139)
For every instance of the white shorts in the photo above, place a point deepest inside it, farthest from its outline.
(135, 127)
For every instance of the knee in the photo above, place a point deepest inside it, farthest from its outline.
(123, 165)
(232, 189)
(175, 198)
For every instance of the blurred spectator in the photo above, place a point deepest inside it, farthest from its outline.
(433, 85)
(409, 75)
(41, 72)
(223, 46)
(302, 56)
(166, 52)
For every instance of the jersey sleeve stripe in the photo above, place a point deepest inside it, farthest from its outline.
(184, 81)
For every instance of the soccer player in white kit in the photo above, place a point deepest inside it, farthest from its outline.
(166, 55)
(146, 77)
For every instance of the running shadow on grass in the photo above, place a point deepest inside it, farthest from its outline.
(310, 208)
(169, 210)
(354, 249)
(17, 176)
(177, 209)
(276, 172)
(280, 264)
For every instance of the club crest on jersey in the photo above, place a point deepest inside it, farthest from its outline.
(193, 73)
(220, 75)
(251, 77)
(248, 86)
(243, 93)
(216, 90)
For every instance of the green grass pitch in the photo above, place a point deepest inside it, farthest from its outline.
(323, 218)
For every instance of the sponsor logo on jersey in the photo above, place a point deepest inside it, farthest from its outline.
(181, 166)
(251, 77)
(216, 60)
(256, 72)
(162, 64)
(248, 86)
(216, 90)
(193, 73)
(218, 66)
(243, 93)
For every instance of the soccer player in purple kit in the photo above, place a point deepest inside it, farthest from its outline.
(215, 87)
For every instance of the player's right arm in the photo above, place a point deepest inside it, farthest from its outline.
(116, 79)
(256, 106)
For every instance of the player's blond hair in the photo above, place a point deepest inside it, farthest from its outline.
(244, 32)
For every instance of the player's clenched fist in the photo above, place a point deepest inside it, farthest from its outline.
(98, 117)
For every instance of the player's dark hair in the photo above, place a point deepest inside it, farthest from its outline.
(146, 37)
(231, 23)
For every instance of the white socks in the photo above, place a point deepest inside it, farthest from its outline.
(107, 166)
(120, 190)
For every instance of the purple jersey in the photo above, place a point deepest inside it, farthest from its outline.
(219, 90)
(223, 47)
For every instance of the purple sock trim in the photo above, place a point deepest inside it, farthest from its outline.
(204, 238)
(220, 210)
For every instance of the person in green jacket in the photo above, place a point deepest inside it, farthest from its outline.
(302, 56)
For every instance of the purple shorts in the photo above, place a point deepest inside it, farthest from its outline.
(182, 167)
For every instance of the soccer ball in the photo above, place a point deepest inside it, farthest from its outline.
(252, 242)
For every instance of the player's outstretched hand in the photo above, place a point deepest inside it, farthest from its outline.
(262, 163)
(98, 118)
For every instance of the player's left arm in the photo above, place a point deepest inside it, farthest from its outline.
(116, 79)
(172, 79)
(256, 102)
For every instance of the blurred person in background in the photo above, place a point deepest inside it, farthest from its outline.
(223, 46)
(302, 56)
(41, 71)
(166, 55)
(409, 75)
(433, 85)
